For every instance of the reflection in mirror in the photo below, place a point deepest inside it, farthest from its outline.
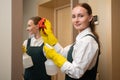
(58, 12)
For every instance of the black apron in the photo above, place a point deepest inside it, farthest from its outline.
(37, 71)
(89, 74)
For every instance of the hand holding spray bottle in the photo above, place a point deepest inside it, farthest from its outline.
(51, 68)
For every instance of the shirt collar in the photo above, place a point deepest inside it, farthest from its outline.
(83, 33)
(34, 39)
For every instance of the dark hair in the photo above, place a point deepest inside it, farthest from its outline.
(35, 19)
(89, 11)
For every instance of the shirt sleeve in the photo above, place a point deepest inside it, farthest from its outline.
(61, 50)
(83, 55)
(25, 43)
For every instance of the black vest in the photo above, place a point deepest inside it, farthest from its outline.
(89, 74)
(37, 71)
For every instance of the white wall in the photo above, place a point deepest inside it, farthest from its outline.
(5, 40)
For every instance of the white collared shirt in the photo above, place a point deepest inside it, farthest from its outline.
(34, 42)
(84, 54)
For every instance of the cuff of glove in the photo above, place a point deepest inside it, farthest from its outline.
(65, 66)
(57, 47)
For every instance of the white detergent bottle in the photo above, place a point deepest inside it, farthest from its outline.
(27, 61)
(51, 68)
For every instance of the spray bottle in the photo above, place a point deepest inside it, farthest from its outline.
(51, 68)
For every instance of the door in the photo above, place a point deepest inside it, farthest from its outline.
(63, 30)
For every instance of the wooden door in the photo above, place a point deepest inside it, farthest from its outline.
(63, 30)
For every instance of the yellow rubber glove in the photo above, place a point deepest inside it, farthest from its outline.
(24, 49)
(57, 58)
(47, 34)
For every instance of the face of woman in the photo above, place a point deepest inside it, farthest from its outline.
(80, 18)
(32, 28)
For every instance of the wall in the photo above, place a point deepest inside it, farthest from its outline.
(5, 42)
(102, 8)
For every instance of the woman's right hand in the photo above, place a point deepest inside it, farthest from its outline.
(24, 49)
(47, 34)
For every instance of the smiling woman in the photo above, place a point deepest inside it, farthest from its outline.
(81, 18)
(80, 59)
(34, 48)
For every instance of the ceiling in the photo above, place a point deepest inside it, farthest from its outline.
(56, 3)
